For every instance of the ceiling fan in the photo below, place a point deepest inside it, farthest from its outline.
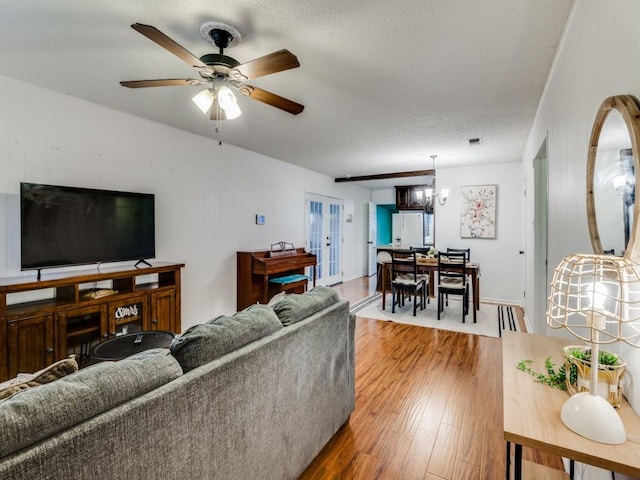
(221, 73)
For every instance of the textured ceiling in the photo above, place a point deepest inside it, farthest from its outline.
(385, 83)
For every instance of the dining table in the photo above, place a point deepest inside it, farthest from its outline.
(429, 265)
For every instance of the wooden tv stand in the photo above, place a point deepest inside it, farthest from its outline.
(43, 321)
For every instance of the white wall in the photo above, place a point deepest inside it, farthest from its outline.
(206, 195)
(593, 62)
(597, 59)
(502, 278)
(383, 196)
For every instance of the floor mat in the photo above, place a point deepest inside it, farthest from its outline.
(450, 318)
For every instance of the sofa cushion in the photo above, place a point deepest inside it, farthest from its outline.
(53, 372)
(297, 306)
(205, 342)
(37, 413)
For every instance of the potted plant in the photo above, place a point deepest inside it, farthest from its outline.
(611, 371)
(577, 362)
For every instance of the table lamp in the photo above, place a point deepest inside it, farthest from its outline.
(597, 299)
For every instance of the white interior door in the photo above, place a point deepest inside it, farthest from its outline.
(324, 237)
(371, 239)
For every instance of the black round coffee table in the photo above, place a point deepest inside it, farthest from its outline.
(125, 345)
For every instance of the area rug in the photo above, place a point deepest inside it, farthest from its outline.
(488, 323)
(360, 304)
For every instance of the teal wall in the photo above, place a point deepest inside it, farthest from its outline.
(383, 213)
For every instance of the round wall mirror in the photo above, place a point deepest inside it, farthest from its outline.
(611, 177)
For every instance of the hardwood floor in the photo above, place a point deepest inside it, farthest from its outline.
(428, 406)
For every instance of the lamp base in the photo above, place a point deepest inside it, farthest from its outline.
(594, 418)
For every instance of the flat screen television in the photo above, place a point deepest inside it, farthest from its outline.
(63, 226)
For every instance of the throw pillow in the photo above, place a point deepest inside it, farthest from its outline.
(276, 298)
(297, 306)
(205, 342)
(49, 374)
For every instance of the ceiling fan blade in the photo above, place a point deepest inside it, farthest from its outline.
(169, 82)
(152, 33)
(272, 63)
(272, 99)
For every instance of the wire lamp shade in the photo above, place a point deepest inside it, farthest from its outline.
(597, 299)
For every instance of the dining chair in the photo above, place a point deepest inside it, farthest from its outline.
(452, 280)
(421, 252)
(467, 252)
(405, 280)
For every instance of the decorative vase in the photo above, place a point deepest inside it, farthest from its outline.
(609, 376)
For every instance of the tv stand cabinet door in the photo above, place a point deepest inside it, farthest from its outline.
(128, 315)
(30, 343)
(4, 356)
(163, 311)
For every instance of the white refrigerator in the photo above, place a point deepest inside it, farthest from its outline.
(407, 229)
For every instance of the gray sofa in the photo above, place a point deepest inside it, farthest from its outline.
(263, 410)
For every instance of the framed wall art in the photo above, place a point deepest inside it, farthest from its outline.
(478, 215)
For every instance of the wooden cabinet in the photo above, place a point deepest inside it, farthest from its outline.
(31, 344)
(403, 197)
(4, 368)
(79, 329)
(128, 315)
(406, 198)
(162, 305)
(65, 316)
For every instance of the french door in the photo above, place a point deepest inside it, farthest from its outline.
(323, 236)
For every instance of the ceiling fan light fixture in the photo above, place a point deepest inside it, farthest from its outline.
(204, 100)
(228, 102)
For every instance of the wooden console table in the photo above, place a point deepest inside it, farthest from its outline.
(532, 411)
